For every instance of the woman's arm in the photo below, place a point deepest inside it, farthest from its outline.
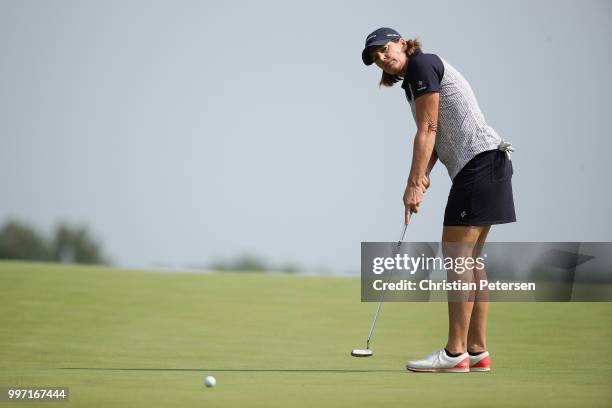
(423, 155)
(432, 162)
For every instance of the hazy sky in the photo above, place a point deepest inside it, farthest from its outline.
(181, 131)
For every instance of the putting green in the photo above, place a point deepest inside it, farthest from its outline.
(141, 339)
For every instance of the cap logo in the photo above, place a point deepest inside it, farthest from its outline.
(370, 37)
(392, 35)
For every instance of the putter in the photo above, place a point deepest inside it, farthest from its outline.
(367, 352)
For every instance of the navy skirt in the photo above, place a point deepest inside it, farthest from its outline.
(481, 193)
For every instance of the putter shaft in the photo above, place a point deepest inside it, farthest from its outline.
(382, 295)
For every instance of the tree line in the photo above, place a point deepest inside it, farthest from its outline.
(67, 244)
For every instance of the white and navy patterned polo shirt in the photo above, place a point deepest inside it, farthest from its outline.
(462, 132)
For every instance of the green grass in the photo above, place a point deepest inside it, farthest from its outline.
(141, 339)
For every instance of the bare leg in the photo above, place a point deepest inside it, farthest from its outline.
(460, 312)
(477, 334)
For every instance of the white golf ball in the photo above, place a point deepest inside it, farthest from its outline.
(210, 381)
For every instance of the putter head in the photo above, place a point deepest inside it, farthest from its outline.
(362, 353)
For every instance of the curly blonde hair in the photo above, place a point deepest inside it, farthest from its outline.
(389, 79)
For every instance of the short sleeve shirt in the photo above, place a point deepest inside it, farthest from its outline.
(462, 131)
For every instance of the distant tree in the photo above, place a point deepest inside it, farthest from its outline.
(69, 244)
(290, 268)
(252, 263)
(74, 244)
(244, 263)
(19, 240)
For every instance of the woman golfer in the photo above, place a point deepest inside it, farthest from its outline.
(450, 127)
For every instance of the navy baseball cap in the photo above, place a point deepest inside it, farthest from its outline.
(379, 37)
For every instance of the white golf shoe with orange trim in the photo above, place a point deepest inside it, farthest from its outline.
(440, 362)
(481, 362)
